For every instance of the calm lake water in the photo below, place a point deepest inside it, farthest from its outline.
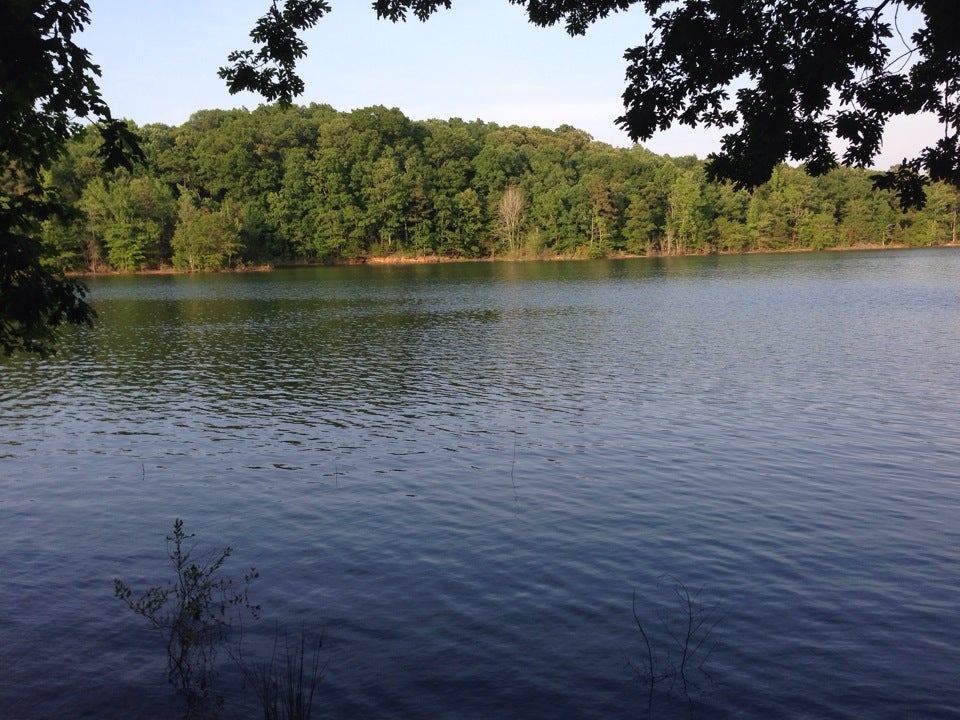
(466, 477)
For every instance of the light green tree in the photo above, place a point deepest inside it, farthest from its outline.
(129, 217)
(688, 214)
(207, 238)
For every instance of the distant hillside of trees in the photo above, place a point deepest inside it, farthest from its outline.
(312, 184)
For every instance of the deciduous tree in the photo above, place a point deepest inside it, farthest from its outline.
(510, 218)
(207, 238)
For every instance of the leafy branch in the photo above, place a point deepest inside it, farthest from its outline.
(271, 70)
(194, 614)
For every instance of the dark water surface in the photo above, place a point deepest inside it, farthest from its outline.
(461, 475)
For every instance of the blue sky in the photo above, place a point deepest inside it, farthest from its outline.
(482, 59)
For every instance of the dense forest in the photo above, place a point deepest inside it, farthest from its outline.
(312, 184)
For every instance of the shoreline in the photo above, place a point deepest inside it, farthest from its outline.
(443, 259)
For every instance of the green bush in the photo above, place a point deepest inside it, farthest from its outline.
(194, 614)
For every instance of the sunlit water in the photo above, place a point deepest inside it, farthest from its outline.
(462, 475)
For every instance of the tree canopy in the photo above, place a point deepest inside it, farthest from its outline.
(784, 77)
(788, 78)
(46, 82)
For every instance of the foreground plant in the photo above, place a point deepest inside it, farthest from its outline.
(679, 660)
(286, 685)
(194, 613)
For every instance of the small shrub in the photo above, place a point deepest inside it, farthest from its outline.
(194, 614)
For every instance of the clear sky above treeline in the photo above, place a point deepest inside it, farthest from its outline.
(480, 60)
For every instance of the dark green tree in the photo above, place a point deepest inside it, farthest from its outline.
(46, 82)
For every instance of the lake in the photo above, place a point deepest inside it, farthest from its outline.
(470, 478)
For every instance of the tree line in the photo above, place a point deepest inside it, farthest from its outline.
(312, 184)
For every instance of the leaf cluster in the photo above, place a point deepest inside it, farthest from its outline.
(47, 84)
(270, 70)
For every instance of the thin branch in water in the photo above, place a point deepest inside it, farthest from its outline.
(513, 466)
(649, 660)
(689, 647)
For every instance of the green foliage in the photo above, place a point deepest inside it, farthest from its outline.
(207, 238)
(194, 613)
(688, 214)
(129, 217)
(774, 71)
(313, 184)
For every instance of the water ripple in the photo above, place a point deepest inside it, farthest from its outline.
(464, 473)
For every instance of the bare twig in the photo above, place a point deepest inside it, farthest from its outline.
(689, 648)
